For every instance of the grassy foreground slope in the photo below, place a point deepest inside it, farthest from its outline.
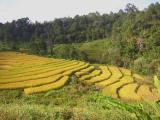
(73, 101)
(78, 98)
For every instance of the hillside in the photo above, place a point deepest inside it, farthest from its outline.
(87, 67)
(96, 85)
(131, 37)
(105, 51)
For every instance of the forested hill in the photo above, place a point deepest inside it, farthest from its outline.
(134, 34)
(124, 25)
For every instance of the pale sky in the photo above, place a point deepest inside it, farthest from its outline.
(47, 10)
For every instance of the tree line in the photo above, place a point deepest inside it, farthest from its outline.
(24, 34)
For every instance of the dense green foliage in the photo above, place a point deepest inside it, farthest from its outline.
(106, 52)
(131, 37)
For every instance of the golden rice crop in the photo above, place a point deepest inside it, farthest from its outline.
(42, 75)
(92, 74)
(30, 83)
(146, 94)
(37, 67)
(125, 71)
(111, 90)
(28, 65)
(9, 63)
(47, 87)
(116, 73)
(106, 82)
(105, 75)
(5, 67)
(138, 77)
(128, 92)
(127, 79)
(71, 68)
(69, 72)
(29, 60)
(33, 77)
(39, 63)
(35, 71)
(25, 66)
(38, 74)
(155, 92)
(84, 71)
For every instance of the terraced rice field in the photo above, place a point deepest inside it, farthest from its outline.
(36, 74)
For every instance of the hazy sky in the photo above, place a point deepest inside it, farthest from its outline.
(46, 10)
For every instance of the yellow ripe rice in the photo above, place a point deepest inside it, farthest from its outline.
(30, 83)
(84, 71)
(42, 75)
(116, 73)
(111, 90)
(146, 94)
(93, 74)
(125, 71)
(47, 87)
(69, 72)
(33, 71)
(105, 75)
(128, 92)
(107, 82)
(19, 70)
(138, 77)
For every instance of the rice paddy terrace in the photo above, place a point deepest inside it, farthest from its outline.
(37, 74)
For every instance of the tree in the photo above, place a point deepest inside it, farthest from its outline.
(130, 8)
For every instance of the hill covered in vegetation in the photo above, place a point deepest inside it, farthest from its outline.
(89, 67)
(131, 36)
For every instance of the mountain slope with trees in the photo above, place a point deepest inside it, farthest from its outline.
(133, 35)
